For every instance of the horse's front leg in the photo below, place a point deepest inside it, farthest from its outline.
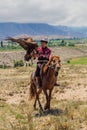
(49, 99)
(35, 103)
(46, 95)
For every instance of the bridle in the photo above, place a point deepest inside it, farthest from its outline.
(54, 66)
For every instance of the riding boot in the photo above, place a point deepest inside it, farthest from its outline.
(56, 84)
(38, 82)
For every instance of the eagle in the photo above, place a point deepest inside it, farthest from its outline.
(27, 44)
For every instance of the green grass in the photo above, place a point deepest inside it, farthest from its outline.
(10, 48)
(81, 60)
(52, 43)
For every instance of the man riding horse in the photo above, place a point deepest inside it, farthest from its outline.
(32, 51)
(43, 56)
(46, 72)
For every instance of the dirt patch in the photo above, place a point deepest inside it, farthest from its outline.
(73, 83)
(8, 58)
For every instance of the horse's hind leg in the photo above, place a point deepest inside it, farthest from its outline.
(35, 103)
(40, 104)
(37, 97)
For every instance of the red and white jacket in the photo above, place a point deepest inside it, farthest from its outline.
(44, 53)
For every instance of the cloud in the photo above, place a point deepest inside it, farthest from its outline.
(59, 12)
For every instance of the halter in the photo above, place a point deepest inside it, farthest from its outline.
(51, 66)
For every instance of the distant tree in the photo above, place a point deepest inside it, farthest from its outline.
(1, 43)
(62, 41)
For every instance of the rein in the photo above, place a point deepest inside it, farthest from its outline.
(50, 66)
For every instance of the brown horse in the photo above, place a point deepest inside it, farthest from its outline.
(48, 77)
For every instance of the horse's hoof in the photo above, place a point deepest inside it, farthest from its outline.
(49, 110)
(45, 107)
(35, 108)
(42, 110)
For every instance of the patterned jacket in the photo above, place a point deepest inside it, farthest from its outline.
(44, 53)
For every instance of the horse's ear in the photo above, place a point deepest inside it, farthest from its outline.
(51, 57)
(59, 58)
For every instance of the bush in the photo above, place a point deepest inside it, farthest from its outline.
(18, 63)
(68, 61)
(62, 43)
(3, 66)
(71, 44)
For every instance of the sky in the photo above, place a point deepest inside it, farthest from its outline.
(55, 12)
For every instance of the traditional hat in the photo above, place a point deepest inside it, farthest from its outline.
(44, 40)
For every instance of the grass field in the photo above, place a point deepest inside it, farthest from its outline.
(11, 48)
(80, 60)
(68, 105)
(69, 100)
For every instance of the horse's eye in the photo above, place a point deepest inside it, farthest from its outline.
(53, 61)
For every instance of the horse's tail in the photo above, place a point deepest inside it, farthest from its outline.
(32, 89)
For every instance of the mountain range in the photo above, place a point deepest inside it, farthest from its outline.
(39, 29)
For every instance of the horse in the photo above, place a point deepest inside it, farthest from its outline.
(48, 75)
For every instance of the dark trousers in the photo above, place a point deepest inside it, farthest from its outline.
(37, 73)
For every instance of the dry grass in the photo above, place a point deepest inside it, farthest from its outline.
(69, 105)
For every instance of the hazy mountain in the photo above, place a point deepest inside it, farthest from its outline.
(13, 29)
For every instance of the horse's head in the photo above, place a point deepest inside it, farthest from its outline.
(55, 63)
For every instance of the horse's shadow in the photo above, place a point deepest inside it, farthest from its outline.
(54, 112)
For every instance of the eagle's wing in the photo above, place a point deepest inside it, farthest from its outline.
(23, 43)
